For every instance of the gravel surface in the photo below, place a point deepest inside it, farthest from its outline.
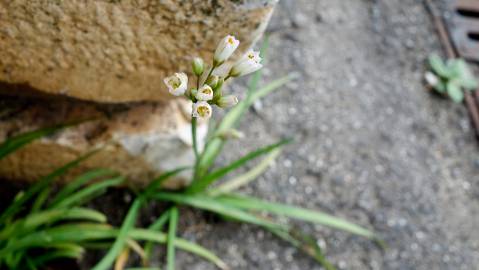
(372, 145)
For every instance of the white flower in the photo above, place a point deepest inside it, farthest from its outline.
(202, 109)
(225, 49)
(177, 83)
(249, 63)
(227, 101)
(205, 93)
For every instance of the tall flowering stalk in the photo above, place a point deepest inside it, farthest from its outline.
(209, 93)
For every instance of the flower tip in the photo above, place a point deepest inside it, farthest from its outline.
(227, 101)
(225, 49)
(198, 66)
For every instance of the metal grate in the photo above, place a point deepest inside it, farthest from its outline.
(463, 26)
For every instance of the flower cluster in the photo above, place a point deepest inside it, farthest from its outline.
(209, 88)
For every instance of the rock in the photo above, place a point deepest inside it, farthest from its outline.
(115, 51)
(62, 61)
(140, 141)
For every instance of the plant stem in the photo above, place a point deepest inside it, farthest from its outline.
(170, 252)
(193, 137)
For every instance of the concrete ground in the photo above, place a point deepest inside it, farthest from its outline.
(372, 145)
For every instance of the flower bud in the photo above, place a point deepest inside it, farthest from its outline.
(249, 63)
(231, 134)
(202, 109)
(198, 66)
(177, 84)
(225, 49)
(227, 101)
(212, 81)
(205, 93)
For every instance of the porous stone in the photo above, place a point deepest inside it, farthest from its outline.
(115, 51)
(139, 140)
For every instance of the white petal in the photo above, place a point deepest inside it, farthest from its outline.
(226, 48)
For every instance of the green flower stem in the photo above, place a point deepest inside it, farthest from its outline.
(193, 137)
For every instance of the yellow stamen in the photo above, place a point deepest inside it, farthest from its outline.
(203, 111)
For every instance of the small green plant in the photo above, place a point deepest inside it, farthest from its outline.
(29, 245)
(38, 226)
(450, 78)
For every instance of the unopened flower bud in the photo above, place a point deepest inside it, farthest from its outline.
(202, 109)
(205, 93)
(231, 134)
(227, 101)
(198, 66)
(177, 83)
(212, 81)
(225, 49)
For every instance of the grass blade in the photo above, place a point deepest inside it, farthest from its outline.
(40, 200)
(156, 183)
(305, 244)
(38, 187)
(203, 183)
(39, 261)
(121, 239)
(79, 233)
(85, 194)
(249, 203)
(12, 144)
(209, 204)
(32, 221)
(170, 245)
(79, 182)
(156, 226)
(247, 177)
(122, 259)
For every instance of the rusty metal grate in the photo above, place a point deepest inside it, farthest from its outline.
(463, 26)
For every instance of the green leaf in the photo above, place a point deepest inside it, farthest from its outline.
(156, 183)
(170, 244)
(87, 193)
(120, 241)
(40, 200)
(465, 76)
(305, 243)
(14, 143)
(249, 203)
(439, 67)
(215, 206)
(32, 221)
(440, 87)
(454, 91)
(79, 233)
(156, 226)
(247, 177)
(60, 251)
(38, 187)
(78, 182)
(203, 183)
